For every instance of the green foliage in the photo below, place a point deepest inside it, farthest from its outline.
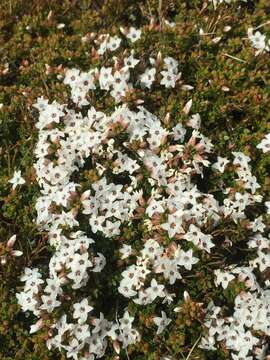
(235, 120)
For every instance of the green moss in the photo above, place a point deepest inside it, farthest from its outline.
(238, 118)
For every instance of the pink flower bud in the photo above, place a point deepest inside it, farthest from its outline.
(11, 241)
(116, 347)
(37, 326)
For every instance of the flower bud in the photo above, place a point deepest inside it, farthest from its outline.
(11, 241)
(16, 253)
(3, 260)
(116, 347)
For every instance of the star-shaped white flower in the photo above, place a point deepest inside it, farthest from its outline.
(81, 311)
(134, 34)
(264, 145)
(220, 164)
(162, 322)
(125, 251)
(223, 278)
(17, 179)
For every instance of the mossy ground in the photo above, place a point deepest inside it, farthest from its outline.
(235, 120)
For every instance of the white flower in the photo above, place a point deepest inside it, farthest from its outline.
(155, 290)
(148, 77)
(151, 249)
(154, 207)
(264, 145)
(128, 336)
(179, 132)
(126, 251)
(96, 223)
(49, 302)
(258, 41)
(223, 278)
(81, 311)
(52, 113)
(27, 301)
(113, 43)
(169, 79)
(257, 225)
(195, 121)
(171, 271)
(17, 179)
(125, 288)
(162, 322)
(109, 43)
(133, 34)
(106, 78)
(171, 64)
(185, 258)
(174, 224)
(99, 262)
(263, 260)
(81, 332)
(220, 164)
(126, 321)
(71, 76)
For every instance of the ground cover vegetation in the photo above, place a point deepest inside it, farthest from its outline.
(134, 180)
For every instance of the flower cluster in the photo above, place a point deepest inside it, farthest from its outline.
(238, 332)
(93, 339)
(155, 259)
(101, 171)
